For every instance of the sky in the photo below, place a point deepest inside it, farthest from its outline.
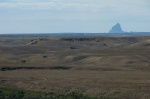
(59, 16)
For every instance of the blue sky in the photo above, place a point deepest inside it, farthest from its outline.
(49, 16)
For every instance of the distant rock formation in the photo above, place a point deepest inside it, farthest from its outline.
(116, 29)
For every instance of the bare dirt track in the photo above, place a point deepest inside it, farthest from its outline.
(96, 66)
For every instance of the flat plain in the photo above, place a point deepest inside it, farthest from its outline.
(116, 67)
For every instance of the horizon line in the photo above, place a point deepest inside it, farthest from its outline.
(73, 32)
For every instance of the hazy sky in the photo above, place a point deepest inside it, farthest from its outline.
(36, 16)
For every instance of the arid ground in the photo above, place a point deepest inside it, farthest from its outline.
(95, 66)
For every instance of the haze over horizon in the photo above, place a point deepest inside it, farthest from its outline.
(50, 16)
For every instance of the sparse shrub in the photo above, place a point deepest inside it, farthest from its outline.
(23, 61)
(105, 45)
(73, 47)
(14, 93)
(45, 56)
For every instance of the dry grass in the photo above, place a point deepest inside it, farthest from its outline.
(120, 69)
(133, 84)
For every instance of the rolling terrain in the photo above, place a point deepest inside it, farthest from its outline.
(95, 66)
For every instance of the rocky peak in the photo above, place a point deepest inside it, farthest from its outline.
(116, 29)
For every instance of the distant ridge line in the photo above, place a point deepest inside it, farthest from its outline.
(77, 34)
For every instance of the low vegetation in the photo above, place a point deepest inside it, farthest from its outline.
(14, 93)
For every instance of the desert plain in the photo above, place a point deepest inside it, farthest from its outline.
(116, 67)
